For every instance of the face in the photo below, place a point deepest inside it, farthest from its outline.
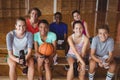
(43, 28)
(103, 35)
(34, 14)
(76, 16)
(78, 29)
(58, 18)
(20, 27)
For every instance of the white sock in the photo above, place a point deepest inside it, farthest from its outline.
(109, 76)
(55, 59)
(91, 76)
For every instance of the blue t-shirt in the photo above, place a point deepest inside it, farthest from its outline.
(102, 48)
(59, 29)
(51, 37)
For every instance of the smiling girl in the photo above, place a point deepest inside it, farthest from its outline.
(78, 43)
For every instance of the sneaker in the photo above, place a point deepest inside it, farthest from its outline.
(55, 60)
(25, 70)
(55, 63)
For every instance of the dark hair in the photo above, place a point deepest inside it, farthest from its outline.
(75, 11)
(43, 21)
(57, 13)
(104, 26)
(21, 19)
(36, 9)
(75, 22)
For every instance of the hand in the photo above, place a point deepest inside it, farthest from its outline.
(82, 67)
(38, 55)
(47, 60)
(21, 61)
(100, 64)
(107, 60)
(106, 64)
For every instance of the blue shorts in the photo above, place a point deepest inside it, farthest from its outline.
(71, 55)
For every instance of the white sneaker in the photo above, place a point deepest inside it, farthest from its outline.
(55, 60)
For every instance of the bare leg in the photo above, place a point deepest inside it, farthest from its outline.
(82, 74)
(111, 71)
(39, 67)
(47, 70)
(30, 69)
(70, 72)
(92, 66)
(112, 67)
(12, 69)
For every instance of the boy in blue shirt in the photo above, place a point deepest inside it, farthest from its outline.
(60, 29)
(102, 53)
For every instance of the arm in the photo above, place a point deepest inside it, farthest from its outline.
(65, 37)
(71, 44)
(54, 45)
(9, 42)
(29, 45)
(85, 46)
(92, 53)
(65, 33)
(29, 53)
(72, 24)
(110, 58)
(110, 49)
(93, 49)
(10, 53)
(36, 48)
(86, 29)
(36, 45)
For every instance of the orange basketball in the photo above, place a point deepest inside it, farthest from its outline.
(46, 49)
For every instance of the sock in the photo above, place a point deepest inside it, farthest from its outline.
(91, 76)
(55, 59)
(109, 76)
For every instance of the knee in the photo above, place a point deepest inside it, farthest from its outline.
(92, 63)
(12, 64)
(31, 62)
(92, 66)
(82, 73)
(71, 66)
(113, 65)
(40, 62)
(47, 64)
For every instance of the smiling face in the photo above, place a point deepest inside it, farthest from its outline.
(43, 28)
(103, 34)
(20, 26)
(76, 16)
(78, 29)
(34, 14)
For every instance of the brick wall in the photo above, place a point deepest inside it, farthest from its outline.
(11, 9)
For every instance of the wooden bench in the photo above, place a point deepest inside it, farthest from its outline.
(61, 59)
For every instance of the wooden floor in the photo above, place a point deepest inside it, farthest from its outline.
(24, 78)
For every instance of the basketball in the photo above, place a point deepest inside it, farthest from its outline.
(46, 49)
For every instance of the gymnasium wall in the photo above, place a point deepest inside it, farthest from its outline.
(11, 9)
